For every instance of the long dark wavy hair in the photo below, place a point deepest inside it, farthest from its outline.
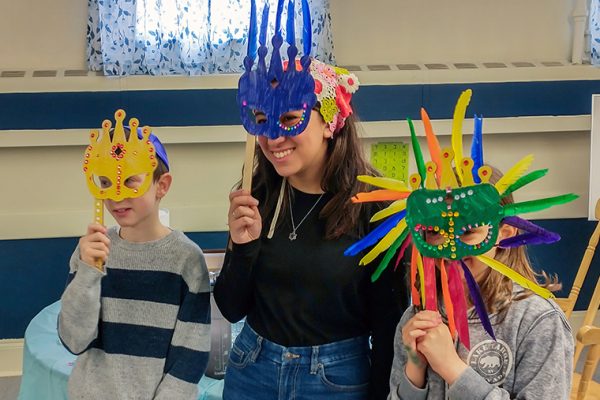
(345, 160)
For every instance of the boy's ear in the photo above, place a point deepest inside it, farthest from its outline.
(505, 231)
(163, 184)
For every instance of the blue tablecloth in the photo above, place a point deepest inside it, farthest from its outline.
(47, 364)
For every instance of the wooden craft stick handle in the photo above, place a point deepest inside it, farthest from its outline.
(248, 163)
(99, 219)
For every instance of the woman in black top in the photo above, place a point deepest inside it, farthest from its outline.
(310, 311)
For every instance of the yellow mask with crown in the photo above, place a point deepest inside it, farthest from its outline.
(115, 160)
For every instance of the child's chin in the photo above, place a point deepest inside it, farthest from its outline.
(123, 222)
(468, 261)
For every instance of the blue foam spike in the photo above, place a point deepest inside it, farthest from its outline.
(477, 299)
(252, 47)
(264, 25)
(477, 148)
(528, 239)
(375, 234)
(533, 234)
(276, 67)
(290, 28)
(278, 17)
(307, 28)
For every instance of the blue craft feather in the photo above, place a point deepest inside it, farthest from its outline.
(529, 239)
(534, 234)
(523, 224)
(477, 148)
(477, 300)
(375, 234)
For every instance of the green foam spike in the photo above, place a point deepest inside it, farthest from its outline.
(417, 151)
(537, 205)
(388, 255)
(525, 180)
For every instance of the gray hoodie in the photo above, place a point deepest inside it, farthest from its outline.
(532, 358)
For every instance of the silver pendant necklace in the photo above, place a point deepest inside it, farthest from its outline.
(295, 227)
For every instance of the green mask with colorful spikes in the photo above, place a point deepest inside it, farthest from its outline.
(448, 219)
(454, 223)
(449, 212)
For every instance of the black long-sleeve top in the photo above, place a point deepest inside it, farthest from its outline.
(306, 292)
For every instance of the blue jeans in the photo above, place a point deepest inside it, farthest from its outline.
(259, 369)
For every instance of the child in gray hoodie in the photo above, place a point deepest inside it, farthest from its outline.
(481, 326)
(531, 356)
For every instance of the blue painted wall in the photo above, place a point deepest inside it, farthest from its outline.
(563, 257)
(34, 271)
(203, 107)
(33, 274)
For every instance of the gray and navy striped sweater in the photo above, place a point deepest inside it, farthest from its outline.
(141, 329)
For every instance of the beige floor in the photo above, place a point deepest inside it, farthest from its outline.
(9, 388)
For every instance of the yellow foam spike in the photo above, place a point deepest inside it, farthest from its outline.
(448, 177)
(513, 174)
(421, 277)
(415, 181)
(515, 276)
(393, 208)
(430, 177)
(457, 122)
(384, 183)
(466, 168)
(384, 243)
(485, 173)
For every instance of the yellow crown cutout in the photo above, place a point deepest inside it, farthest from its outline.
(118, 159)
(108, 163)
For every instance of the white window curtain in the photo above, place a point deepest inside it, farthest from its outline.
(186, 37)
(594, 28)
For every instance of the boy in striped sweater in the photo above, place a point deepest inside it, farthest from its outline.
(141, 325)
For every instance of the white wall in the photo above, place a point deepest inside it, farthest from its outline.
(42, 34)
(406, 31)
(51, 34)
